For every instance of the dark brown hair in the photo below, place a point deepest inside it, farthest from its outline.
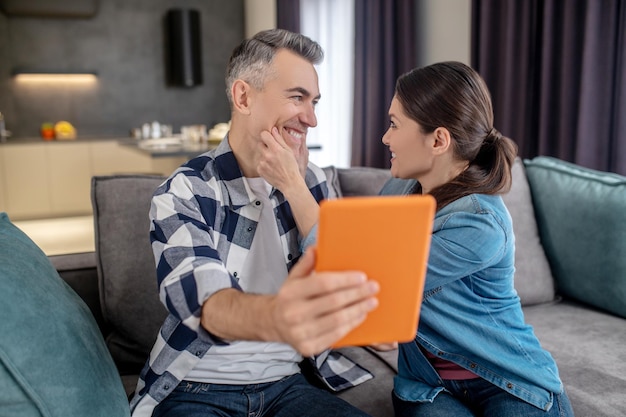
(452, 95)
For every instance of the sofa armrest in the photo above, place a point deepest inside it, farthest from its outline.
(79, 271)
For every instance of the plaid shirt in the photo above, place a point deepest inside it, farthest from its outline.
(203, 220)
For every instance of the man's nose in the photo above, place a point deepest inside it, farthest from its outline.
(308, 116)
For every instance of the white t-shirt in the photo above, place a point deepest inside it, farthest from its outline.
(244, 362)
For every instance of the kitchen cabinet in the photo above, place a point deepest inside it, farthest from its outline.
(3, 206)
(69, 178)
(53, 179)
(109, 157)
(26, 181)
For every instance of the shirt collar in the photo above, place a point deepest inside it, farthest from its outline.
(239, 192)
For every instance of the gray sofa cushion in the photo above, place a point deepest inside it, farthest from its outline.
(362, 180)
(373, 396)
(126, 271)
(588, 346)
(332, 179)
(533, 279)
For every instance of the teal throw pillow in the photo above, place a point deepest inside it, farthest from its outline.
(581, 215)
(53, 359)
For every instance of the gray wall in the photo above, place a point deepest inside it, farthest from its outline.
(124, 43)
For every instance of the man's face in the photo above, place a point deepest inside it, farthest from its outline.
(287, 100)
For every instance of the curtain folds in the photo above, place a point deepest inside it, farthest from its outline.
(556, 71)
(288, 15)
(384, 49)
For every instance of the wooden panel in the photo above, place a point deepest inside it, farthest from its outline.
(165, 166)
(26, 181)
(70, 178)
(53, 179)
(3, 206)
(109, 157)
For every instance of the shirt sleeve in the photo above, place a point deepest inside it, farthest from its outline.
(463, 244)
(189, 269)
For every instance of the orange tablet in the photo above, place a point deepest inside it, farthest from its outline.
(388, 238)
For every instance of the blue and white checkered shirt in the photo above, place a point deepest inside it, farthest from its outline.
(203, 219)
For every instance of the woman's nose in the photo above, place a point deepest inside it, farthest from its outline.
(385, 139)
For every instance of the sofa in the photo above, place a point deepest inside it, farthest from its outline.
(76, 329)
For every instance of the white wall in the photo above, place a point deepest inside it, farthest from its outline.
(444, 31)
(259, 15)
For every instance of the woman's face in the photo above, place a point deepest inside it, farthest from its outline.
(411, 149)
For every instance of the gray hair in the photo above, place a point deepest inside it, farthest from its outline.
(251, 60)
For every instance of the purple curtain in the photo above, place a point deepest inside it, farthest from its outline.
(288, 15)
(384, 49)
(556, 70)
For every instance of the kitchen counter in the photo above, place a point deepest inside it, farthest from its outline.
(79, 139)
(61, 184)
(168, 147)
(155, 148)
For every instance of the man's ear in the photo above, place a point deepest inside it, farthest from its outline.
(241, 96)
(442, 140)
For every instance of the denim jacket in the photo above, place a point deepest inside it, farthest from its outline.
(471, 314)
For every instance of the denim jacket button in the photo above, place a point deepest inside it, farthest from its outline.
(509, 385)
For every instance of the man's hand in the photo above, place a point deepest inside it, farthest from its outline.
(312, 311)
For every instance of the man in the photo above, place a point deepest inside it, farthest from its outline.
(244, 306)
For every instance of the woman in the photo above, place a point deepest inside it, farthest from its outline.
(473, 354)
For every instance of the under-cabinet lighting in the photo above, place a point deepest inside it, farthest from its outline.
(54, 77)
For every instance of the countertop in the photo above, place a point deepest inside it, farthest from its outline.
(37, 139)
(168, 147)
(156, 148)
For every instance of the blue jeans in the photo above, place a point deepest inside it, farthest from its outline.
(288, 397)
(478, 397)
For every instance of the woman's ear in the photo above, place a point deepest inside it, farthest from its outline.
(442, 140)
(241, 96)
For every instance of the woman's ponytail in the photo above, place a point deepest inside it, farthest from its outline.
(495, 158)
